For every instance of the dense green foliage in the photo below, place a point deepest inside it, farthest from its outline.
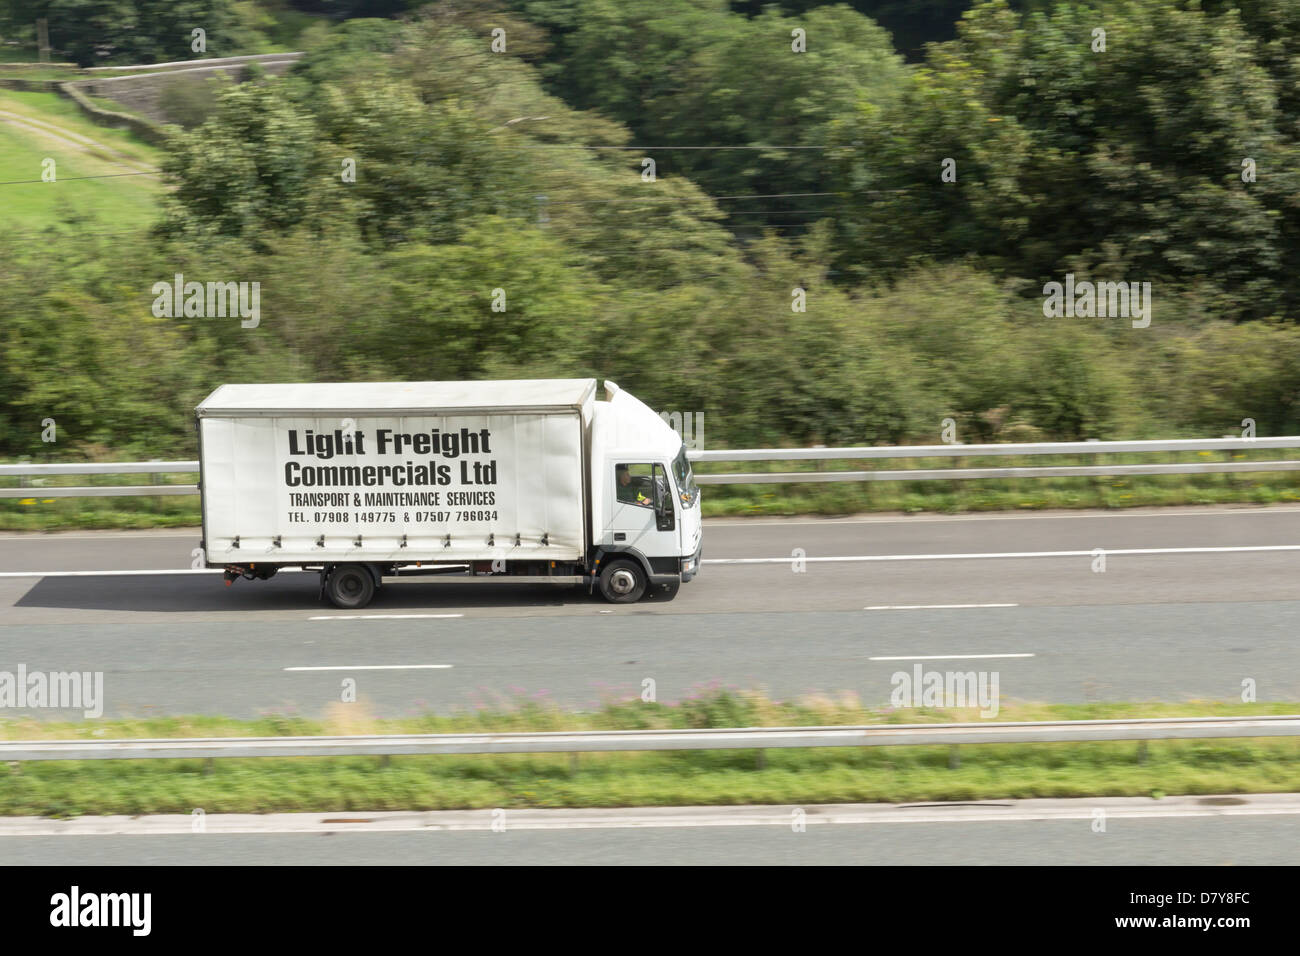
(93, 32)
(404, 172)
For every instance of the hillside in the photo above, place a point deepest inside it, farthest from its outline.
(39, 126)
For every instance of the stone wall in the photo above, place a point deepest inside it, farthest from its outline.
(149, 132)
(142, 91)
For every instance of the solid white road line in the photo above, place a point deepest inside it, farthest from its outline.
(377, 617)
(946, 657)
(375, 667)
(927, 607)
(97, 574)
(133, 573)
(979, 556)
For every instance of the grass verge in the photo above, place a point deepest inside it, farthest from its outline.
(829, 775)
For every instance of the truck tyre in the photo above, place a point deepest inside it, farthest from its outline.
(350, 586)
(623, 581)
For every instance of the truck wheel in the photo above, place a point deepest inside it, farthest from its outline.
(350, 586)
(622, 582)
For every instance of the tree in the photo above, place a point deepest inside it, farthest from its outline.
(1126, 161)
(248, 169)
(92, 32)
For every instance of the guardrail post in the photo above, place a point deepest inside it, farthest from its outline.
(760, 759)
(954, 758)
(208, 766)
(1097, 481)
(1142, 751)
(573, 762)
(155, 480)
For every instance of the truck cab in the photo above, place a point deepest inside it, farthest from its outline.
(645, 505)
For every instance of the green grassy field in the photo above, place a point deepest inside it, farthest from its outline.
(117, 201)
(815, 775)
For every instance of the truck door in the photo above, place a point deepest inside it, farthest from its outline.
(633, 522)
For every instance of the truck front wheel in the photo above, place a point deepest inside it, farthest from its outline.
(350, 586)
(622, 582)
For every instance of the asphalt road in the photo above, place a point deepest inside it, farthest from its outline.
(1182, 622)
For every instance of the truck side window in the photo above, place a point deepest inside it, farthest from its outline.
(634, 484)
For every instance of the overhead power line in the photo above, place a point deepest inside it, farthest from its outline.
(65, 179)
(583, 146)
(701, 198)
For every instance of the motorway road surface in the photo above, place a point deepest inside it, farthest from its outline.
(1213, 600)
(1213, 831)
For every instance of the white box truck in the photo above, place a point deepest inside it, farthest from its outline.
(529, 480)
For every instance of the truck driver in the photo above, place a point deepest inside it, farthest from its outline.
(633, 491)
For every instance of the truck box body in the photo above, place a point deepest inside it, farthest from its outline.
(380, 472)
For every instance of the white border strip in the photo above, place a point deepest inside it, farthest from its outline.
(946, 657)
(928, 607)
(375, 667)
(378, 617)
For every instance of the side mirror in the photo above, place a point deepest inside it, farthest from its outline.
(665, 517)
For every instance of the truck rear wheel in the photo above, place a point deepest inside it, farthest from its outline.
(350, 586)
(622, 582)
